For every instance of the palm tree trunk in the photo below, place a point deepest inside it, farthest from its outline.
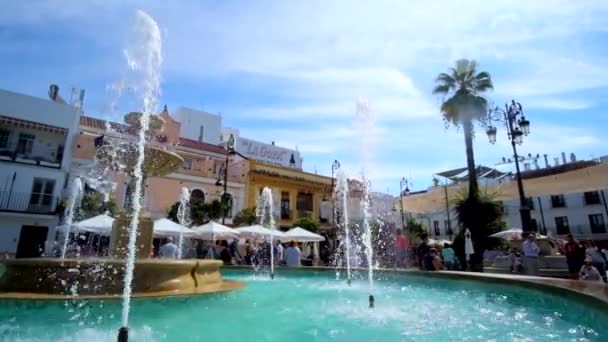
(468, 142)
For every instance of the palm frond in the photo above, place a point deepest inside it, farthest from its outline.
(441, 89)
(444, 78)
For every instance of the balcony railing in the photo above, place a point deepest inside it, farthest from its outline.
(21, 202)
(304, 214)
(11, 153)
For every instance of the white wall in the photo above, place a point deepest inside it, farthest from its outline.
(226, 131)
(43, 111)
(576, 210)
(24, 180)
(10, 230)
(192, 120)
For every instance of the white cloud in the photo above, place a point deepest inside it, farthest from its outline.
(318, 57)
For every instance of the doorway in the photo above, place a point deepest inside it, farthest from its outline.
(31, 241)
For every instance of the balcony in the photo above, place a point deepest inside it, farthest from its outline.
(20, 202)
(304, 214)
(13, 153)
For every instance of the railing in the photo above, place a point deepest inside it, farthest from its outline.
(21, 202)
(10, 153)
(304, 214)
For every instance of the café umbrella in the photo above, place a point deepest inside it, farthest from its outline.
(214, 231)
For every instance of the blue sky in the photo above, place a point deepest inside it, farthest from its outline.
(292, 71)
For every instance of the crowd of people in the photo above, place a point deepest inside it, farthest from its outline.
(255, 253)
(585, 260)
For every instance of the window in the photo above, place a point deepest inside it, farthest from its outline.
(592, 197)
(304, 202)
(128, 196)
(533, 225)
(201, 134)
(436, 228)
(448, 228)
(59, 154)
(25, 143)
(42, 192)
(558, 201)
(596, 221)
(187, 164)
(4, 137)
(561, 225)
(285, 208)
(530, 201)
(228, 202)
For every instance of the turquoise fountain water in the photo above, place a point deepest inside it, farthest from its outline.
(313, 306)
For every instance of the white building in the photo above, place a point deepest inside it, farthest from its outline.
(199, 125)
(583, 213)
(35, 143)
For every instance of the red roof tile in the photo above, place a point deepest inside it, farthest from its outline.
(201, 146)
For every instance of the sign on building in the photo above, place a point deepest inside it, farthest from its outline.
(269, 153)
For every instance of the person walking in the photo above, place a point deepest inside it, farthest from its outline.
(531, 252)
(401, 246)
(168, 250)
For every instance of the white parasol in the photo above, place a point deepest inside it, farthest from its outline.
(468, 244)
(214, 231)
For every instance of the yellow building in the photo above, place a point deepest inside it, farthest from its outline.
(296, 194)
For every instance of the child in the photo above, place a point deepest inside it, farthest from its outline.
(516, 261)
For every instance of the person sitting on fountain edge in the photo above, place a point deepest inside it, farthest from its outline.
(225, 254)
(168, 250)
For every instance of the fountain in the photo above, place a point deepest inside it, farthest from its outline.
(133, 152)
(266, 219)
(342, 195)
(367, 239)
(183, 217)
(73, 204)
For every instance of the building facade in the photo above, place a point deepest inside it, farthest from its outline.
(296, 194)
(566, 198)
(35, 136)
(201, 172)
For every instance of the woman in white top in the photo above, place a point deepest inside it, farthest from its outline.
(589, 273)
(293, 255)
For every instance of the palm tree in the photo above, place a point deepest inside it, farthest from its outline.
(463, 103)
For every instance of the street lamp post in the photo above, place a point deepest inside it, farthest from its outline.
(225, 199)
(517, 126)
(405, 191)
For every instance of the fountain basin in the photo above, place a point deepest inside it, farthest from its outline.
(49, 278)
(312, 305)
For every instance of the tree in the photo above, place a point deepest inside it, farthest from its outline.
(307, 224)
(92, 204)
(200, 212)
(246, 216)
(463, 103)
(482, 215)
(414, 229)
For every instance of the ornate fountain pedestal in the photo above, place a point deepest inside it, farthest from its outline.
(120, 237)
(47, 278)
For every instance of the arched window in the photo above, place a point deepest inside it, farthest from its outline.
(197, 194)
